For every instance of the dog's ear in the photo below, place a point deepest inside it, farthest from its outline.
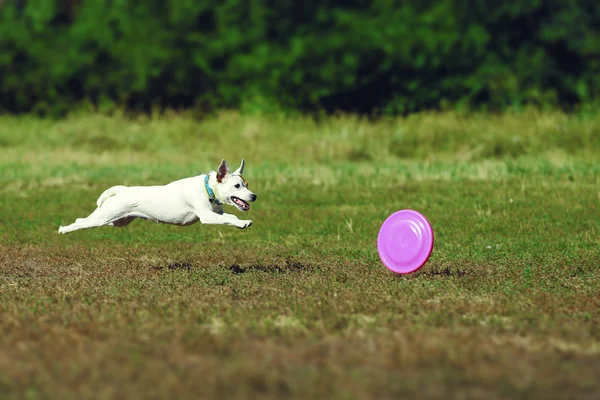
(223, 172)
(240, 170)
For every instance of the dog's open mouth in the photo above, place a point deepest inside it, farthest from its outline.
(242, 205)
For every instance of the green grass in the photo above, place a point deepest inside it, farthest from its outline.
(298, 305)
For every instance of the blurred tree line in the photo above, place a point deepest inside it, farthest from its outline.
(368, 56)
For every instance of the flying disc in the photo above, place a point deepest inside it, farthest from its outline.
(405, 241)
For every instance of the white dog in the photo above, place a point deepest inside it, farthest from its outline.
(183, 202)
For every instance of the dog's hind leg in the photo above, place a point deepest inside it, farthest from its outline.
(111, 213)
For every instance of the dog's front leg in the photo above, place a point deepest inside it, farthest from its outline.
(224, 219)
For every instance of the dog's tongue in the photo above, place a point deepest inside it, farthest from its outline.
(242, 203)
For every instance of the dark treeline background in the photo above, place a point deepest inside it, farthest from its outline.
(379, 56)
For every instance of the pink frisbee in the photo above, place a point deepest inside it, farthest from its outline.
(405, 241)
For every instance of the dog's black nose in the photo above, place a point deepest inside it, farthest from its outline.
(253, 197)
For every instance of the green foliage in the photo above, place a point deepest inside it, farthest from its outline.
(384, 56)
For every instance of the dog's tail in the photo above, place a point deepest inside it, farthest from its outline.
(109, 193)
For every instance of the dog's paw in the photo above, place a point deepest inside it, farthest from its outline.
(243, 224)
(61, 229)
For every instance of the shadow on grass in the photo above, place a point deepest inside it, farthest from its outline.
(289, 266)
(236, 269)
(445, 272)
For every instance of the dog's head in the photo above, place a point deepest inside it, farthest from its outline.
(232, 188)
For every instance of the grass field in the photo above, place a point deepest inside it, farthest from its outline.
(298, 305)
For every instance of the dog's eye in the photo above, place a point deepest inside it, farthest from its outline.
(237, 186)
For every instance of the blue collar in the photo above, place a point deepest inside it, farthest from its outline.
(211, 195)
